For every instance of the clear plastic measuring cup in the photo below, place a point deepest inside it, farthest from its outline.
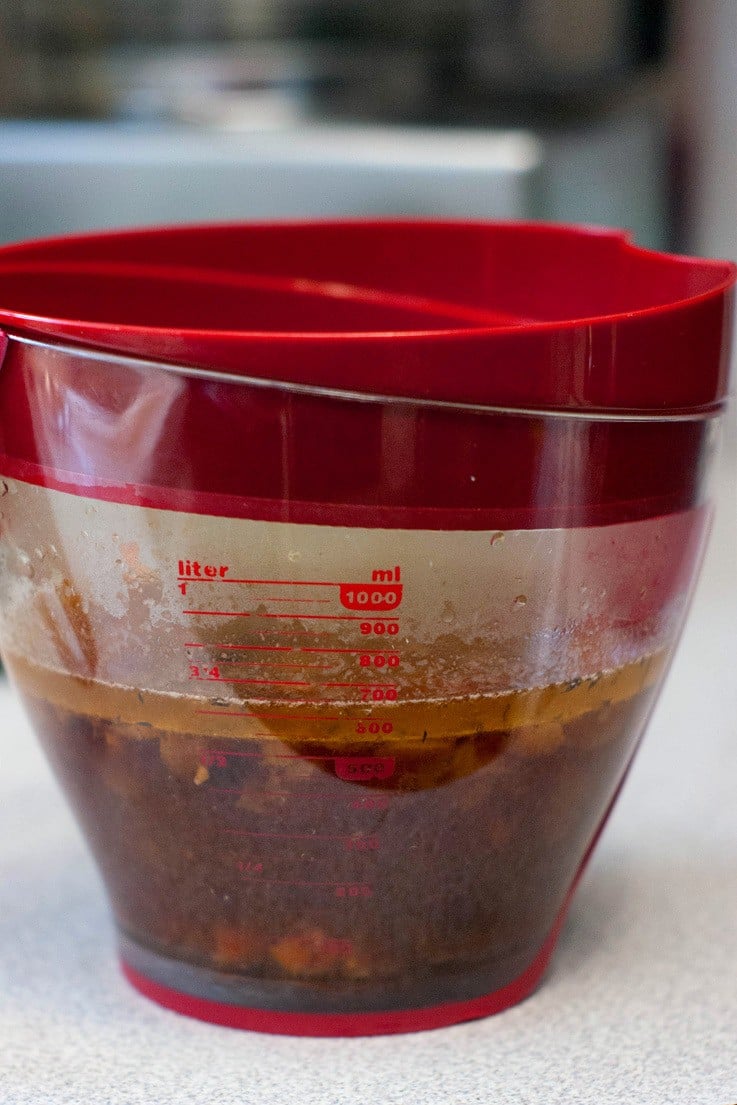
(342, 676)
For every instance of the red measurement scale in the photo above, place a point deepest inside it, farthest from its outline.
(295, 675)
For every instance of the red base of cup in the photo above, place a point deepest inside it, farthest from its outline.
(347, 1024)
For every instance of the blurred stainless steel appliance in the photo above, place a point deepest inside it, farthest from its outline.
(61, 177)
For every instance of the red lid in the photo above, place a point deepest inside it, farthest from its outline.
(504, 314)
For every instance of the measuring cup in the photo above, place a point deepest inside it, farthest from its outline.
(341, 565)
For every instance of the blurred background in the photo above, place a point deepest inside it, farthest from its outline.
(616, 112)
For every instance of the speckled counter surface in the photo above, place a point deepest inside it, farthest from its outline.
(639, 1006)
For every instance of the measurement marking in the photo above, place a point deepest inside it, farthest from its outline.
(288, 836)
(257, 682)
(295, 614)
(330, 702)
(369, 651)
(382, 686)
(272, 755)
(240, 648)
(267, 582)
(294, 633)
(272, 717)
(333, 617)
(220, 613)
(300, 665)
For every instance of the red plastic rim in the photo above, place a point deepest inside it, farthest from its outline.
(502, 314)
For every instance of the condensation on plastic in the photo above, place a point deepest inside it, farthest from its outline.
(94, 589)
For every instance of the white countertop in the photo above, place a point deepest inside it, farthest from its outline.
(640, 1004)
